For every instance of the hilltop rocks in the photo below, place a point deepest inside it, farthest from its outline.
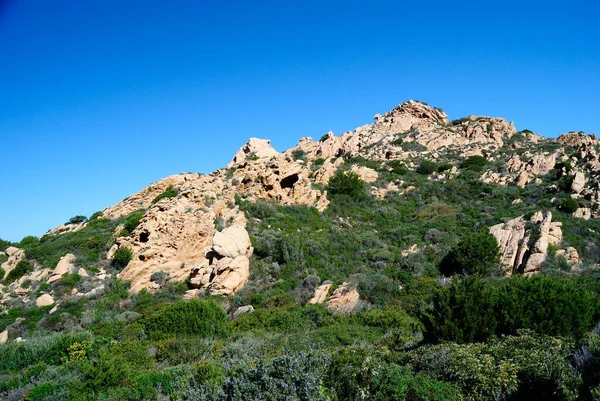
(514, 241)
(577, 140)
(344, 299)
(15, 255)
(254, 149)
(44, 300)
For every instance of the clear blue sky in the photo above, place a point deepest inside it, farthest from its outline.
(100, 98)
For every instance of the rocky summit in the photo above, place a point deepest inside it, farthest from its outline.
(402, 240)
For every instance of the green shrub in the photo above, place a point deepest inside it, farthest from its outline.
(474, 163)
(77, 219)
(170, 192)
(444, 167)
(4, 244)
(413, 147)
(347, 184)
(299, 154)
(324, 138)
(122, 257)
(319, 162)
(21, 269)
(427, 167)
(133, 220)
(196, 317)
(568, 205)
(2, 273)
(474, 309)
(476, 253)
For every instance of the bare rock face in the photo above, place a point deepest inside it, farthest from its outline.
(570, 254)
(65, 265)
(509, 236)
(577, 140)
(321, 292)
(578, 182)
(364, 173)
(231, 242)
(44, 300)
(66, 228)
(514, 239)
(254, 149)
(344, 299)
(583, 213)
(4, 337)
(15, 255)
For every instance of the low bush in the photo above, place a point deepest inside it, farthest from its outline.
(195, 317)
(122, 257)
(427, 167)
(346, 184)
(474, 163)
(476, 253)
(170, 192)
(21, 269)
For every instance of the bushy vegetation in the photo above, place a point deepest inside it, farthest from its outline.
(346, 184)
(476, 253)
(21, 269)
(122, 257)
(170, 192)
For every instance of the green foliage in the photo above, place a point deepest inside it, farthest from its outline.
(4, 244)
(474, 309)
(474, 163)
(522, 367)
(170, 192)
(324, 138)
(133, 220)
(195, 317)
(86, 244)
(427, 167)
(477, 253)
(299, 154)
(122, 257)
(346, 184)
(444, 167)
(2, 272)
(21, 269)
(568, 205)
(319, 162)
(77, 219)
(413, 147)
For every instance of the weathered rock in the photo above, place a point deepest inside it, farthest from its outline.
(570, 254)
(15, 255)
(364, 173)
(242, 310)
(509, 236)
(254, 149)
(321, 292)
(583, 213)
(65, 265)
(232, 242)
(191, 294)
(83, 273)
(4, 337)
(344, 299)
(539, 250)
(578, 182)
(230, 275)
(44, 300)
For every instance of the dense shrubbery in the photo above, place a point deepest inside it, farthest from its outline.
(475, 163)
(195, 317)
(474, 310)
(21, 269)
(346, 184)
(122, 257)
(476, 253)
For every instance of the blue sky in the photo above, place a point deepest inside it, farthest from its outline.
(100, 98)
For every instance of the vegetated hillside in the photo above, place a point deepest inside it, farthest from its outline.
(414, 258)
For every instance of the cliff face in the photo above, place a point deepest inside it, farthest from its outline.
(199, 233)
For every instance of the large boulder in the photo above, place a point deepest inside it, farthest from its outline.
(231, 242)
(578, 182)
(44, 300)
(321, 292)
(344, 299)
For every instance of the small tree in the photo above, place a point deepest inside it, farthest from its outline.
(347, 183)
(122, 257)
(427, 167)
(77, 219)
(476, 253)
(475, 163)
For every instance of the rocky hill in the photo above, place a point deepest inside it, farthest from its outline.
(285, 228)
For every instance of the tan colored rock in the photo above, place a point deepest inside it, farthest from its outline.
(364, 173)
(321, 292)
(4, 337)
(570, 254)
(15, 255)
(539, 250)
(83, 273)
(65, 265)
(230, 276)
(578, 182)
(232, 242)
(583, 213)
(523, 179)
(254, 148)
(577, 140)
(44, 300)
(191, 294)
(66, 228)
(344, 299)
(242, 310)
(509, 236)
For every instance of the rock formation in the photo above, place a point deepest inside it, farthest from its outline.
(344, 299)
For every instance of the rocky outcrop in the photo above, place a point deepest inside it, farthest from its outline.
(242, 310)
(4, 337)
(518, 254)
(583, 213)
(65, 265)
(578, 182)
(15, 255)
(364, 173)
(226, 268)
(321, 292)
(344, 299)
(577, 140)
(254, 149)
(44, 300)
